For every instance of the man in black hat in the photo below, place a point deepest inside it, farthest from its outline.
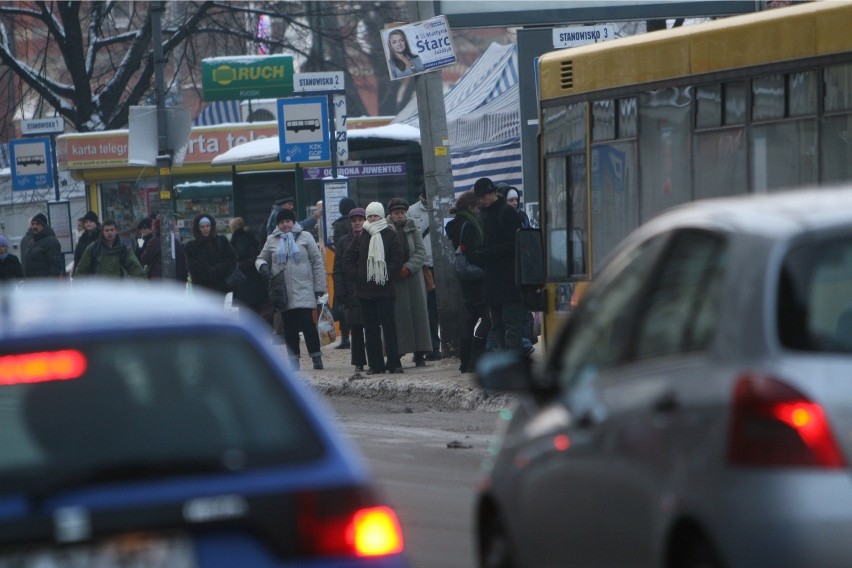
(499, 291)
(42, 253)
(284, 201)
(91, 233)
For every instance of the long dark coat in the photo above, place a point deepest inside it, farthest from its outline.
(500, 223)
(83, 243)
(10, 268)
(151, 257)
(344, 288)
(472, 239)
(355, 265)
(210, 259)
(253, 292)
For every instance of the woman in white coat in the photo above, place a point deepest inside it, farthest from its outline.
(290, 259)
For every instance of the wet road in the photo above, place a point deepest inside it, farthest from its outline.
(427, 464)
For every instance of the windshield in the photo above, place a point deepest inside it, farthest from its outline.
(202, 399)
(815, 296)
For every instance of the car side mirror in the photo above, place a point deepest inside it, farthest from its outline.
(529, 268)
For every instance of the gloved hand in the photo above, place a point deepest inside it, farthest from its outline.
(264, 271)
(404, 273)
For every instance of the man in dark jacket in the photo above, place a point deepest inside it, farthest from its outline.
(373, 269)
(499, 291)
(42, 253)
(341, 227)
(91, 233)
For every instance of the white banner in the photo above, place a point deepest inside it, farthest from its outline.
(416, 48)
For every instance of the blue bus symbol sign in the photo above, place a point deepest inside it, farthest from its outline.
(303, 133)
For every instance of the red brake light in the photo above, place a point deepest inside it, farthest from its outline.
(341, 524)
(41, 367)
(773, 424)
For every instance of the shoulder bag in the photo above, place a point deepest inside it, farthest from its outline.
(462, 267)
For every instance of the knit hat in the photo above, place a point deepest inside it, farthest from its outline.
(347, 204)
(3, 241)
(40, 218)
(375, 208)
(397, 203)
(145, 223)
(512, 194)
(483, 186)
(204, 221)
(90, 216)
(357, 211)
(285, 214)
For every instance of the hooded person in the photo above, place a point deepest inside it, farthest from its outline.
(91, 233)
(291, 261)
(371, 262)
(209, 256)
(10, 266)
(151, 255)
(41, 253)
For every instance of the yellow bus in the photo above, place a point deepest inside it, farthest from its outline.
(627, 128)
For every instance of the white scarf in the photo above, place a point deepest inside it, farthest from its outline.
(377, 270)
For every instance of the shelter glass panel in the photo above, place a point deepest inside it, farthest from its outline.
(665, 126)
(128, 203)
(784, 155)
(615, 197)
(721, 163)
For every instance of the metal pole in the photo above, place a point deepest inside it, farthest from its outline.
(438, 174)
(164, 153)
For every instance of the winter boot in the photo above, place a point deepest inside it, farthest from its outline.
(317, 362)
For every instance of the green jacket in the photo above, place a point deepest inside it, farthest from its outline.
(115, 261)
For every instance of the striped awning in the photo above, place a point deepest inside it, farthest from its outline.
(218, 112)
(483, 120)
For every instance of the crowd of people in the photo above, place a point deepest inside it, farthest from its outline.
(384, 287)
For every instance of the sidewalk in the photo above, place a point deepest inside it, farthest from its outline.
(438, 384)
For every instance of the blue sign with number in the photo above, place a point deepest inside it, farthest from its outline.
(32, 166)
(303, 130)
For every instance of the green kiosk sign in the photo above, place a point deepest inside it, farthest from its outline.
(247, 77)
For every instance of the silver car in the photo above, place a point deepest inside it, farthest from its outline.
(696, 410)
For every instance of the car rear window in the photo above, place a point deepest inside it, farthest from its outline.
(205, 399)
(815, 297)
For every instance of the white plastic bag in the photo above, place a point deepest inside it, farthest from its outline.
(325, 325)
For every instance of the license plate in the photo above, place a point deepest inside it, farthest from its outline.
(126, 551)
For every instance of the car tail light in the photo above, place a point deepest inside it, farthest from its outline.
(773, 424)
(42, 367)
(341, 524)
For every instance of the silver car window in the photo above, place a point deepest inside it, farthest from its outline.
(814, 304)
(598, 333)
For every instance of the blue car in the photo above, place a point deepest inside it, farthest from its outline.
(140, 426)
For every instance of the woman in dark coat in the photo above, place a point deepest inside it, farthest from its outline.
(209, 256)
(344, 290)
(151, 257)
(372, 265)
(465, 231)
(253, 292)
